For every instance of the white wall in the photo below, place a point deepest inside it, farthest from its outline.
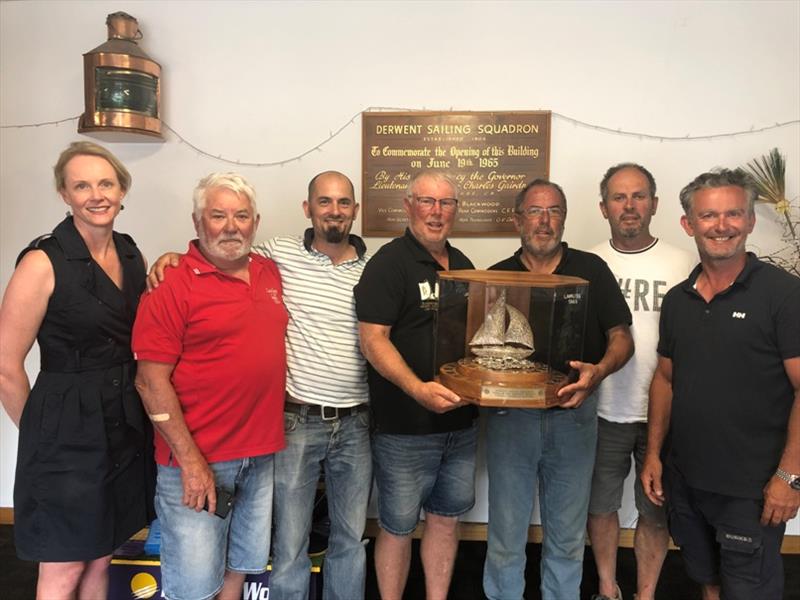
(264, 81)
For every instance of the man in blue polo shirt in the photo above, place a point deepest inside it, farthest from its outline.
(726, 397)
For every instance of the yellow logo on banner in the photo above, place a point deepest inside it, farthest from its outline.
(143, 585)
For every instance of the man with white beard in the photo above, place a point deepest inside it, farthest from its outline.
(211, 373)
(326, 415)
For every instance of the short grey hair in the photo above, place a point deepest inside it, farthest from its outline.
(717, 178)
(229, 181)
(438, 176)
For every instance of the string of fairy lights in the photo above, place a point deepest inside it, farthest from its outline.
(332, 134)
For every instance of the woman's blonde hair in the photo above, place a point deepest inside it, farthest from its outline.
(90, 149)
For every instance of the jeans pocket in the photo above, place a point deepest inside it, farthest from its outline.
(586, 413)
(290, 421)
(362, 418)
(741, 553)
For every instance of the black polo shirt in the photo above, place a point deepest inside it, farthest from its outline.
(731, 396)
(399, 288)
(606, 307)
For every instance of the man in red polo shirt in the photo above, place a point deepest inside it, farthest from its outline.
(212, 364)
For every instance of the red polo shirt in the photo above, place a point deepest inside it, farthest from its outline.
(226, 340)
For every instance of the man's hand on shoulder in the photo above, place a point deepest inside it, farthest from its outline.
(437, 398)
(156, 274)
(780, 502)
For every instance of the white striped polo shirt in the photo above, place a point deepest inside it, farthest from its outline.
(324, 361)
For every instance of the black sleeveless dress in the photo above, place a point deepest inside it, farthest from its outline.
(85, 474)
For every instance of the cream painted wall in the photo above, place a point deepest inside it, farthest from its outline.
(265, 81)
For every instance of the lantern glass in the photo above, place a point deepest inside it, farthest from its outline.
(126, 90)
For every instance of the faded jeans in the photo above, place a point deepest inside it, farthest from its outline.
(341, 447)
(196, 547)
(555, 447)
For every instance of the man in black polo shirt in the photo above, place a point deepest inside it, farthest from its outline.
(726, 391)
(424, 436)
(554, 446)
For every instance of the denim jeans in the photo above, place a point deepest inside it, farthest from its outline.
(197, 547)
(341, 447)
(433, 471)
(556, 448)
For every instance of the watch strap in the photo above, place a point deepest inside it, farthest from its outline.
(790, 478)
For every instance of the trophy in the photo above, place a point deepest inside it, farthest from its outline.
(506, 339)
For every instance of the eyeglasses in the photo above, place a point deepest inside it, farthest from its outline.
(447, 204)
(535, 212)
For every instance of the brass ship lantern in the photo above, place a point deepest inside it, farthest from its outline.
(122, 87)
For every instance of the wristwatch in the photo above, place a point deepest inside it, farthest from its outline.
(792, 480)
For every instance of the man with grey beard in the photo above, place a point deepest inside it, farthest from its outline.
(555, 447)
(326, 415)
(212, 366)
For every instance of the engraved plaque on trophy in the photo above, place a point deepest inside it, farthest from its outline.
(505, 338)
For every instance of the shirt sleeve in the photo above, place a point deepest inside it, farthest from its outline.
(380, 292)
(787, 325)
(665, 327)
(161, 323)
(265, 249)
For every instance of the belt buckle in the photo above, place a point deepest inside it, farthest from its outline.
(334, 409)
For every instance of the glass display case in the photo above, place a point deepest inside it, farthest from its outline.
(505, 338)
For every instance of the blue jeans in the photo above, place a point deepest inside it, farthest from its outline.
(432, 471)
(556, 448)
(341, 447)
(197, 547)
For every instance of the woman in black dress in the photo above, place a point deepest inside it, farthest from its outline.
(84, 465)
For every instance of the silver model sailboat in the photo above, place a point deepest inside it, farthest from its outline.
(503, 346)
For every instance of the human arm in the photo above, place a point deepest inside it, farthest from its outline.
(781, 501)
(162, 405)
(658, 416)
(21, 314)
(382, 354)
(619, 349)
(156, 274)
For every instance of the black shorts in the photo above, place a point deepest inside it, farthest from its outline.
(723, 542)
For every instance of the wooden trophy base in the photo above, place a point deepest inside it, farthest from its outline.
(534, 387)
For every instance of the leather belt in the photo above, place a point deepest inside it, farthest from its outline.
(328, 413)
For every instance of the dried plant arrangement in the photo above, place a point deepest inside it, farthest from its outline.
(769, 174)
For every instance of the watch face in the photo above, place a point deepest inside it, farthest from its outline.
(795, 484)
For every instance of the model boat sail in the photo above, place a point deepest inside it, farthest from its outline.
(495, 339)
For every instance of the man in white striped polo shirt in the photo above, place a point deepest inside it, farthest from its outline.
(326, 416)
